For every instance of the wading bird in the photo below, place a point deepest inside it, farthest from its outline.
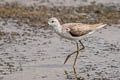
(73, 31)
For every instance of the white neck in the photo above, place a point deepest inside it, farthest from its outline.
(58, 28)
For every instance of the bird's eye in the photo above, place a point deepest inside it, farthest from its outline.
(52, 21)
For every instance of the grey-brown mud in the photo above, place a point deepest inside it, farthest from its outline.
(34, 53)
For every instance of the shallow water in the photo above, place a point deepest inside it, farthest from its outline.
(32, 53)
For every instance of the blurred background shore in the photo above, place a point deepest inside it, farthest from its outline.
(86, 11)
(75, 3)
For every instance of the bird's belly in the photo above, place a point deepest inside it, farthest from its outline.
(68, 36)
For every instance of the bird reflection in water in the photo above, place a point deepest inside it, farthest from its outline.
(70, 77)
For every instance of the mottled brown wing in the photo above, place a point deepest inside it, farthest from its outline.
(77, 29)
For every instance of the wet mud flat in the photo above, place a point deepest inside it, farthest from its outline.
(30, 52)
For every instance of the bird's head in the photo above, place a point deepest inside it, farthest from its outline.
(53, 22)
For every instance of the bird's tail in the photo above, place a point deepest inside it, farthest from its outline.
(97, 26)
(101, 26)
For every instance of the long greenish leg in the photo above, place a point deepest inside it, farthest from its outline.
(74, 52)
(75, 73)
(76, 56)
(69, 56)
(78, 52)
(82, 45)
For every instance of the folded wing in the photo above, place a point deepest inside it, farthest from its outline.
(79, 29)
